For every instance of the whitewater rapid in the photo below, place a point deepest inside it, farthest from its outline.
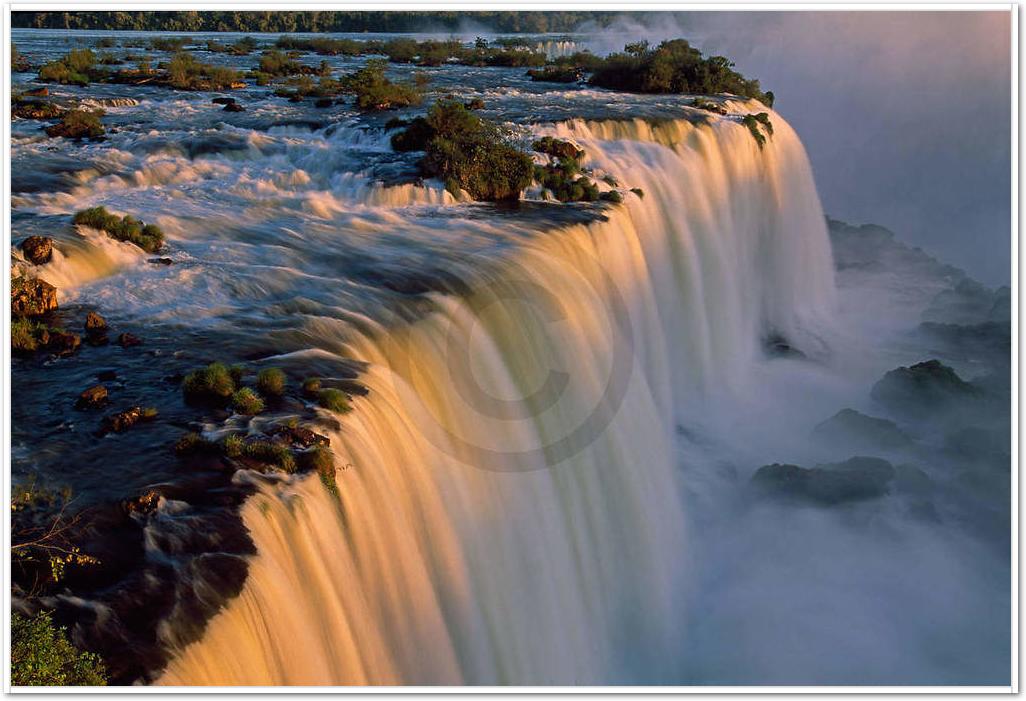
(509, 502)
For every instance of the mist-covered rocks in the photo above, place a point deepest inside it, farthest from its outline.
(926, 387)
(849, 429)
(856, 479)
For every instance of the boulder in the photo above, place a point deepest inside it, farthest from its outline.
(853, 430)
(127, 340)
(144, 503)
(63, 343)
(91, 398)
(925, 387)
(298, 436)
(856, 479)
(223, 100)
(94, 322)
(160, 261)
(32, 297)
(106, 376)
(124, 420)
(234, 107)
(323, 102)
(38, 250)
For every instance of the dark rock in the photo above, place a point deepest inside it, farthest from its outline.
(980, 445)
(127, 340)
(106, 376)
(32, 297)
(91, 398)
(37, 109)
(160, 261)
(926, 387)
(95, 323)
(123, 420)
(476, 104)
(38, 92)
(144, 503)
(38, 250)
(223, 100)
(856, 479)
(909, 479)
(63, 343)
(853, 430)
(297, 435)
(323, 102)
(234, 107)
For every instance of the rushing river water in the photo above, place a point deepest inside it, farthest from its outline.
(557, 408)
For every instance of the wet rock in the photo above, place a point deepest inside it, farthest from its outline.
(323, 102)
(127, 340)
(299, 436)
(37, 109)
(909, 479)
(852, 429)
(62, 342)
(38, 92)
(38, 250)
(234, 107)
(92, 398)
(32, 297)
(926, 387)
(160, 261)
(95, 323)
(476, 104)
(223, 100)
(145, 503)
(106, 376)
(856, 479)
(977, 445)
(124, 420)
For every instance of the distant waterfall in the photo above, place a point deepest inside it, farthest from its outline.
(509, 505)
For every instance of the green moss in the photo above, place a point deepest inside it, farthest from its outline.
(271, 453)
(41, 655)
(148, 237)
(333, 400)
(213, 383)
(245, 401)
(271, 382)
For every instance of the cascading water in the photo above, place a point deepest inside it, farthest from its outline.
(507, 507)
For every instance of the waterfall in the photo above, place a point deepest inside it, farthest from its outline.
(509, 503)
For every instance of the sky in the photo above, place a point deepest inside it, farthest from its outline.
(906, 116)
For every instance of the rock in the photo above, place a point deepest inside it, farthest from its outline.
(925, 387)
(127, 340)
(776, 345)
(106, 376)
(144, 503)
(909, 479)
(856, 479)
(160, 261)
(37, 109)
(91, 398)
(38, 92)
(323, 102)
(297, 435)
(123, 420)
(95, 323)
(476, 104)
(38, 250)
(32, 297)
(63, 343)
(223, 100)
(234, 107)
(854, 430)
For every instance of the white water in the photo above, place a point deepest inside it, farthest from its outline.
(492, 528)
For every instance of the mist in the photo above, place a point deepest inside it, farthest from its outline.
(905, 115)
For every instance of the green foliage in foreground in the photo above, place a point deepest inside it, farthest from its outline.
(468, 152)
(41, 655)
(271, 382)
(374, 91)
(245, 401)
(333, 400)
(148, 237)
(214, 383)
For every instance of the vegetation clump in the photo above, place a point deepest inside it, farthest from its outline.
(556, 74)
(212, 384)
(466, 152)
(320, 459)
(374, 91)
(193, 443)
(271, 382)
(277, 64)
(186, 72)
(42, 655)
(333, 400)
(561, 176)
(271, 453)
(753, 123)
(78, 124)
(19, 64)
(148, 237)
(245, 401)
(311, 386)
(77, 68)
(672, 67)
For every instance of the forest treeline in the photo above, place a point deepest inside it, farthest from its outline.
(312, 21)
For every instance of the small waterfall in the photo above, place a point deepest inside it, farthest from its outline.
(508, 507)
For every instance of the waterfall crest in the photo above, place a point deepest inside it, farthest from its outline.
(508, 507)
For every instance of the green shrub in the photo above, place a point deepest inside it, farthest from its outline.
(186, 72)
(41, 655)
(320, 459)
(245, 401)
(465, 151)
(234, 445)
(311, 386)
(271, 382)
(78, 124)
(213, 383)
(639, 192)
(25, 336)
(555, 74)
(192, 443)
(275, 63)
(333, 400)
(753, 122)
(611, 196)
(169, 43)
(374, 91)
(73, 69)
(271, 453)
(148, 237)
